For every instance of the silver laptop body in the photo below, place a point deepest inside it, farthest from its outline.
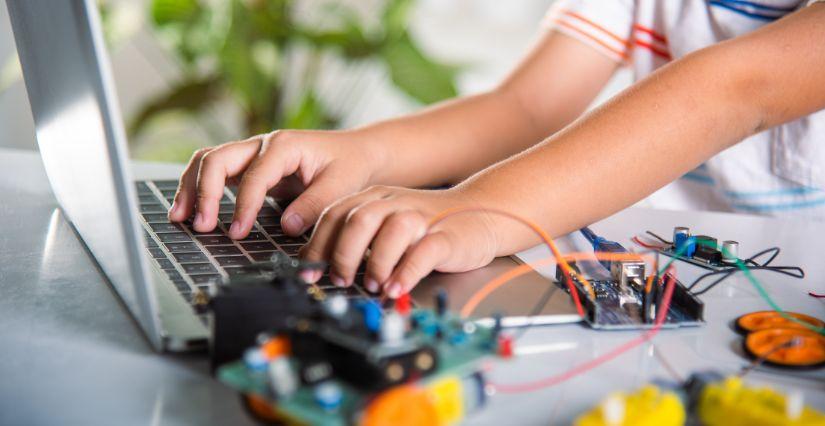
(83, 146)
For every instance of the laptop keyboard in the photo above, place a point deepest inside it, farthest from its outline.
(193, 261)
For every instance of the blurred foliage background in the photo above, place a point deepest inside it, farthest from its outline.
(264, 56)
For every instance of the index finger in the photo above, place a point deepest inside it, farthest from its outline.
(223, 162)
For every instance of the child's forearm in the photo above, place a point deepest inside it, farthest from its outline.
(661, 128)
(448, 142)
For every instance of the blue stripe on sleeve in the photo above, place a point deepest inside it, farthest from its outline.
(744, 12)
(780, 206)
(759, 6)
(779, 192)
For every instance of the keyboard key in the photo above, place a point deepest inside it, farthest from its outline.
(350, 292)
(266, 221)
(168, 192)
(198, 268)
(190, 257)
(274, 229)
(150, 242)
(291, 250)
(262, 256)
(174, 237)
(223, 250)
(225, 217)
(152, 208)
(226, 208)
(214, 232)
(166, 184)
(254, 236)
(165, 227)
(181, 247)
(142, 188)
(155, 218)
(236, 271)
(287, 240)
(268, 211)
(157, 253)
(182, 286)
(214, 240)
(165, 264)
(174, 275)
(225, 261)
(206, 279)
(147, 199)
(225, 201)
(258, 246)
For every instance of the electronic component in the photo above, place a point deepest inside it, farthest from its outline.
(730, 402)
(701, 250)
(706, 398)
(610, 309)
(649, 406)
(627, 299)
(332, 361)
(243, 307)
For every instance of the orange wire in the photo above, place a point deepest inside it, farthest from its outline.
(568, 272)
(649, 283)
(520, 270)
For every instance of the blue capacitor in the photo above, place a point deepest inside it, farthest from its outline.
(372, 314)
(683, 243)
(329, 396)
(254, 360)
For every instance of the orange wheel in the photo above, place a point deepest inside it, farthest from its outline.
(405, 405)
(763, 320)
(775, 345)
(261, 409)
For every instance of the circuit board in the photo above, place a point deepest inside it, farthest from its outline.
(460, 345)
(617, 308)
(702, 263)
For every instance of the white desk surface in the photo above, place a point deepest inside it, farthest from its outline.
(69, 354)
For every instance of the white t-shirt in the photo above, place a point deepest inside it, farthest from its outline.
(780, 171)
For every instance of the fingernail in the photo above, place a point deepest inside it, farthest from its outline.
(235, 229)
(294, 224)
(394, 290)
(371, 285)
(198, 220)
(308, 275)
(337, 281)
(174, 209)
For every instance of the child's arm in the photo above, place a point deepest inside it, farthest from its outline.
(442, 144)
(649, 135)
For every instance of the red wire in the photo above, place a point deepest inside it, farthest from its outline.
(818, 296)
(541, 234)
(670, 284)
(646, 245)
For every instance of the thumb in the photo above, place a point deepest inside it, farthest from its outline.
(305, 210)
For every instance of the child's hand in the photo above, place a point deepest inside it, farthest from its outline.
(320, 166)
(393, 223)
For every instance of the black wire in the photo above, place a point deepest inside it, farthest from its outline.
(792, 271)
(545, 298)
(658, 237)
(797, 273)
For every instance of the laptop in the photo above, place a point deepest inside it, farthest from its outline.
(161, 270)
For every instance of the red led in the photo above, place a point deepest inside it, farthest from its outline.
(402, 304)
(505, 346)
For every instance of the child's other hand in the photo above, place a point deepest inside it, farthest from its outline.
(317, 167)
(393, 223)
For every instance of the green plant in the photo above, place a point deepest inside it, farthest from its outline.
(242, 48)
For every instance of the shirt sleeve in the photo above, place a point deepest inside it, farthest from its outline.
(604, 25)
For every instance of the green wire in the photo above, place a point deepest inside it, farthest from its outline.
(759, 288)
